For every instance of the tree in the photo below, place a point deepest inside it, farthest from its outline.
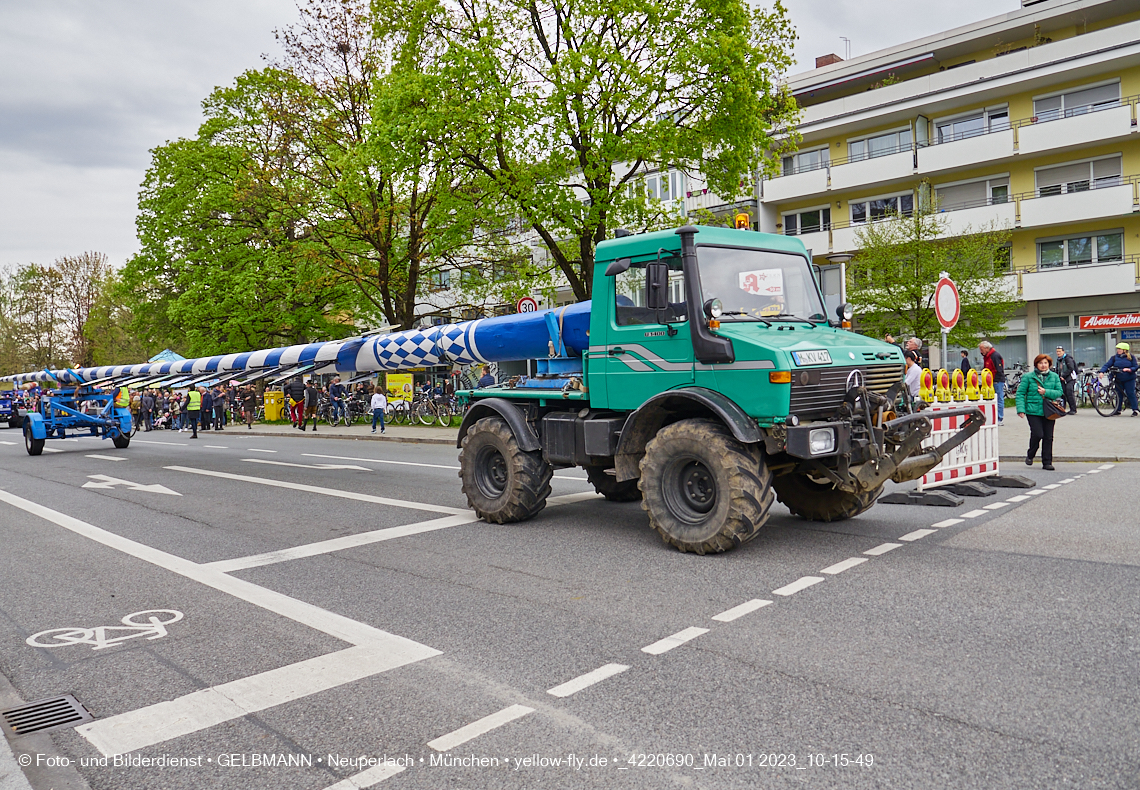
(900, 259)
(556, 111)
(83, 279)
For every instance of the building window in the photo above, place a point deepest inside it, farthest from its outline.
(881, 208)
(803, 161)
(983, 192)
(1079, 177)
(1078, 102)
(1081, 249)
(879, 145)
(811, 221)
(629, 295)
(972, 125)
(439, 280)
(669, 185)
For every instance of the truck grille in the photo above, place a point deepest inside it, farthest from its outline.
(821, 397)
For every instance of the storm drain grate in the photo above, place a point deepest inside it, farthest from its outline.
(44, 714)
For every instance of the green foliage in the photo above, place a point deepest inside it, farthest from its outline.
(900, 259)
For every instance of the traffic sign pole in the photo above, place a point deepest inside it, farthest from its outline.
(948, 309)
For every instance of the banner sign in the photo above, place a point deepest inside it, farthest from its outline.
(1117, 321)
(399, 386)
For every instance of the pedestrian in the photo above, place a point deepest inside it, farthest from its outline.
(1125, 365)
(295, 398)
(219, 409)
(148, 410)
(379, 404)
(486, 380)
(965, 365)
(1035, 387)
(207, 413)
(336, 395)
(913, 375)
(1066, 368)
(176, 415)
(312, 397)
(249, 402)
(194, 408)
(995, 365)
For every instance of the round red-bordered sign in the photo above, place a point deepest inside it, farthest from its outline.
(947, 304)
(527, 305)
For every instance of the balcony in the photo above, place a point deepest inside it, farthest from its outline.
(1077, 129)
(975, 216)
(698, 199)
(967, 152)
(1036, 210)
(798, 185)
(1064, 282)
(898, 165)
(819, 242)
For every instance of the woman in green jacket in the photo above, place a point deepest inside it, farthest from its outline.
(1035, 387)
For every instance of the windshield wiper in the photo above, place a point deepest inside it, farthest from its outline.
(807, 321)
(764, 321)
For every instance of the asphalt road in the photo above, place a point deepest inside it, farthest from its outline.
(321, 601)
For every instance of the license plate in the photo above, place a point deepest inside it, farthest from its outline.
(821, 357)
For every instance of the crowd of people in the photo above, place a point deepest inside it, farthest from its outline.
(198, 408)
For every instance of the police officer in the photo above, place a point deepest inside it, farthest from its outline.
(194, 408)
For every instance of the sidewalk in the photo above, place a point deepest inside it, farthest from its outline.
(411, 434)
(1084, 436)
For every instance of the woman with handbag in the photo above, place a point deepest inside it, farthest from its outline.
(1034, 395)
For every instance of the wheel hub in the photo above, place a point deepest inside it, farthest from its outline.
(690, 491)
(491, 473)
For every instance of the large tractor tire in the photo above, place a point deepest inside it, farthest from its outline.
(608, 486)
(816, 500)
(502, 483)
(704, 491)
(34, 446)
(121, 440)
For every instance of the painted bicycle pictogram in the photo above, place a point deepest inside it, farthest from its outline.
(104, 636)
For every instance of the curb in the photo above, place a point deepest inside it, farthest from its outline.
(367, 438)
(1075, 459)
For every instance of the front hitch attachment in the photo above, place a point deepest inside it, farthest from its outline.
(908, 433)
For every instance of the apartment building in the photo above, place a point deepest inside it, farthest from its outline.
(1028, 119)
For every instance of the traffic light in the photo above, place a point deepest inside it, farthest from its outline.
(743, 222)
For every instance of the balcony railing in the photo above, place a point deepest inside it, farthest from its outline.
(876, 154)
(1074, 187)
(1073, 112)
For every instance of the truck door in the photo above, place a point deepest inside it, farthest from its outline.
(646, 351)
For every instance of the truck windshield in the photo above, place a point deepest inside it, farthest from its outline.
(759, 285)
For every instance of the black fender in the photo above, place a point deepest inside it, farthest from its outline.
(670, 406)
(524, 434)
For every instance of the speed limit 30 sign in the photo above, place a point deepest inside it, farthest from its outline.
(527, 305)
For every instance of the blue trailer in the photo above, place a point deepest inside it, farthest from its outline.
(82, 410)
(10, 411)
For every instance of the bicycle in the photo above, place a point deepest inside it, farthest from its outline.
(1106, 396)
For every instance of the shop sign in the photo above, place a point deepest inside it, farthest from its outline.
(1117, 321)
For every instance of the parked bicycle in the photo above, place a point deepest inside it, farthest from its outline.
(1106, 396)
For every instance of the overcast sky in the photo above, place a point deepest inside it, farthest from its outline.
(88, 88)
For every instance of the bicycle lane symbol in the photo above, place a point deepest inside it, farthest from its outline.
(100, 636)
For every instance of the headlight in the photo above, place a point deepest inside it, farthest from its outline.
(713, 308)
(821, 440)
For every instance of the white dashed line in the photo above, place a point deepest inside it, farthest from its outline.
(882, 548)
(370, 778)
(839, 567)
(587, 680)
(1053, 485)
(258, 450)
(728, 615)
(215, 447)
(476, 728)
(171, 444)
(676, 640)
(1071, 479)
(1094, 471)
(1018, 498)
(799, 584)
(1106, 466)
(11, 443)
(995, 506)
(1038, 492)
(974, 514)
(107, 457)
(947, 523)
(52, 450)
(918, 533)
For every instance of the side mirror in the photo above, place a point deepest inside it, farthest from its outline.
(657, 285)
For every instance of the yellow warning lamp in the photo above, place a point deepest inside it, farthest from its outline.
(958, 385)
(988, 392)
(943, 391)
(926, 385)
(743, 222)
(972, 392)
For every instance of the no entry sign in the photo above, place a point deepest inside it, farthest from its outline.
(947, 305)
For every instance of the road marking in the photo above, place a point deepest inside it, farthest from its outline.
(728, 615)
(154, 628)
(137, 729)
(1062, 482)
(799, 584)
(52, 450)
(918, 533)
(305, 466)
(676, 640)
(974, 514)
(947, 523)
(847, 564)
(882, 548)
(587, 680)
(1106, 466)
(473, 730)
(365, 779)
(108, 457)
(995, 506)
(1038, 492)
(103, 481)
(215, 447)
(1094, 471)
(566, 499)
(409, 463)
(379, 500)
(172, 444)
(11, 443)
(1018, 498)
(258, 450)
(338, 544)
(1053, 485)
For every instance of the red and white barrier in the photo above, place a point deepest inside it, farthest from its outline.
(976, 457)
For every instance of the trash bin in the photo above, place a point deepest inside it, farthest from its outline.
(274, 405)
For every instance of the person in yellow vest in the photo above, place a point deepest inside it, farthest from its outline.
(122, 398)
(194, 408)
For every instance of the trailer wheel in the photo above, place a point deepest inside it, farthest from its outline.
(704, 491)
(121, 440)
(502, 483)
(34, 446)
(608, 486)
(816, 500)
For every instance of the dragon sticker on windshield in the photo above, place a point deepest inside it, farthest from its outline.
(762, 282)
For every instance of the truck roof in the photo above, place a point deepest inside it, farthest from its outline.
(648, 243)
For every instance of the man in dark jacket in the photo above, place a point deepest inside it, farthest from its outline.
(312, 396)
(147, 410)
(995, 365)
(1066, 368)
(965, 365)
(1125, 365)
(295, 400)
(207, 415)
